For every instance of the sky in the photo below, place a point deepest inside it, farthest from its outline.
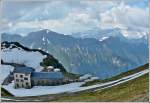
(71, 16)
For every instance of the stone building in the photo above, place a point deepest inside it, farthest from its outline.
(22, 77)
(26, 77)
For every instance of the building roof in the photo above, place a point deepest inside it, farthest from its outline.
(50, 67)
(23, 70)
(47, 75)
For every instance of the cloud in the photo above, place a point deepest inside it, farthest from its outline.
(72, 16)
(74, 22)
(61, 16)
(125, 17)
(51, 10)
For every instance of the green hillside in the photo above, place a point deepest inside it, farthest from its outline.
(130, 72)
(134, 90)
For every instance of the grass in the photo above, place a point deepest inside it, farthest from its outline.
(136, 70)
(71, 75)
(5, 93)
(134, 90)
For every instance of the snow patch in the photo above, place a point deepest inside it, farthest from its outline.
(43, 39)
(48, 41)
(84, 77)
(41, 90)
(133, 34)
(40, 48)
(56, 70)
(94, 78)
(47, 31)
(5, 71)
(103, 38)
(30, 59)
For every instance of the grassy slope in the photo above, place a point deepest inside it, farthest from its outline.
(5, 93)
(136, 70)
(134, 90)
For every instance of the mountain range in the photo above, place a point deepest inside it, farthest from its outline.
(100, 33)
(102, 56)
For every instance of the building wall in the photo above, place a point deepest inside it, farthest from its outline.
(22, 80)
(46, 82)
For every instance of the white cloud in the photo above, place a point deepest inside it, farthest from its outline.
(125, 17)
(74, 22)
(132, 20)
(79, 21)
(67, 17)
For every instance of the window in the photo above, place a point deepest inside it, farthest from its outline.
(43, 82)
(21, 76)
(38, 82)
(22, 85)
(16, 75)
(17, 85)
(27, 83)
(25, 78)
(21, 80)
(17, 80)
